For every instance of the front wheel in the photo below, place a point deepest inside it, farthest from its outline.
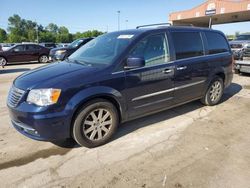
(43, 59)
(214, 92)
(3, 61)
(95, 123)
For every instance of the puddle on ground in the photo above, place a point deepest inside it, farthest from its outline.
(37, 155)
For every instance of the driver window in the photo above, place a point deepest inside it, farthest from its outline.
(19, 48)
(154, 49)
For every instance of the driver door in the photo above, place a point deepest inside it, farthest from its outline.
(17, 54)
(150, 88)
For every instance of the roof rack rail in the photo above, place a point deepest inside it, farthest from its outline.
(186, 24)
(149, 25)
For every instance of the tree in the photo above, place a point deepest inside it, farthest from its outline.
(53, 28)
(22, 30)
(3, 35)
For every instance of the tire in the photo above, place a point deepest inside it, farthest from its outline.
(214, 92)
(95, 123)
(236, 71)
(43, 59)
(3, 61)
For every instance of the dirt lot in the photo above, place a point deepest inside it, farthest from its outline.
(188, 146)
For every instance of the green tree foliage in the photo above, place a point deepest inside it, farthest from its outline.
(3, 35)
(22, 30)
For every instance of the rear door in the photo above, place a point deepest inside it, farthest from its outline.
(192, 68)
(150, 88)
(32, 52)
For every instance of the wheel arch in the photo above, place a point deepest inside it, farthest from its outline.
(111, 96)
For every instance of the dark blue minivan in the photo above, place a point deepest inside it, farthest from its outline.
(117, 77)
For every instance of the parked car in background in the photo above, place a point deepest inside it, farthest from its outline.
(58, 54)
(118, 77)
(1, 48)
(49, 45)
(239, 46)
(62, 45)
(24, 53)
(7, 46)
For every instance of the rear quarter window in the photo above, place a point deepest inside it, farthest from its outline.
(187, 44)
(216, 43)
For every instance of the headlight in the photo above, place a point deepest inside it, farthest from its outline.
(60, 52)
(43, 97)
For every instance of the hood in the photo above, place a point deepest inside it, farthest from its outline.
(49, 75)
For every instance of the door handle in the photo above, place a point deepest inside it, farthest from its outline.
(167, 71)
(182, 68)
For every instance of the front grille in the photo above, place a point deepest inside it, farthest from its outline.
(15, 96)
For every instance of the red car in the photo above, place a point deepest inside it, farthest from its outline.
(24, 53)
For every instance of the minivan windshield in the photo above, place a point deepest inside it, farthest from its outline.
(103, 49)
(243, 37)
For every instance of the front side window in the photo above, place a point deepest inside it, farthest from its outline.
(19, 48)
(187, 44)
(216, 43)
(154, 49)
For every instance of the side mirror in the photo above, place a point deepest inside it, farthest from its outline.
(134, 62)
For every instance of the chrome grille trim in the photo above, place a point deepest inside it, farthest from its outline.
(15, 96)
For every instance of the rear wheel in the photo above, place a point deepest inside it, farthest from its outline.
(214, 92)
(43, 59)
(95, 123)
(3, 61)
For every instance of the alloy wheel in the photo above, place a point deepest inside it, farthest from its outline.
(44, 59)
(215, 91)
(3, 61)
(97, 124)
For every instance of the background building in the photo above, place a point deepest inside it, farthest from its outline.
(213, 12)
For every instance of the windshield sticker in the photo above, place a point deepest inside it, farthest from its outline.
(125, 36)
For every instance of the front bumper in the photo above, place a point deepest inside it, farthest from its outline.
(40, 125)
(245, 68)
(56, 57)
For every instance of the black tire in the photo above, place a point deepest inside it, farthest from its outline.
(81, 128)
(3, 61)
(212, 98)
(43, 59)
(236, 71)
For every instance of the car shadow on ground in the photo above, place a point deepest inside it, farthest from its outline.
(131, 126)
(8, 71)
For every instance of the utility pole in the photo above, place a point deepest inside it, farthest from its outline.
(118, 12)
(126, 24)
(37, 34)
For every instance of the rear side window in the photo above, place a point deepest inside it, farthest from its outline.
(187, 44)
(216, 43)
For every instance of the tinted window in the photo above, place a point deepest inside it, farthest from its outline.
(153, 49)
(30, 47)
(216, 43)
(19, 48)
(243, 37)
(187, 44)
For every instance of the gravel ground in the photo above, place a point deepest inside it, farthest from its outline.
(188, 146)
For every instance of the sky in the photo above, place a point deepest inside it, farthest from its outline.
(82, 15)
